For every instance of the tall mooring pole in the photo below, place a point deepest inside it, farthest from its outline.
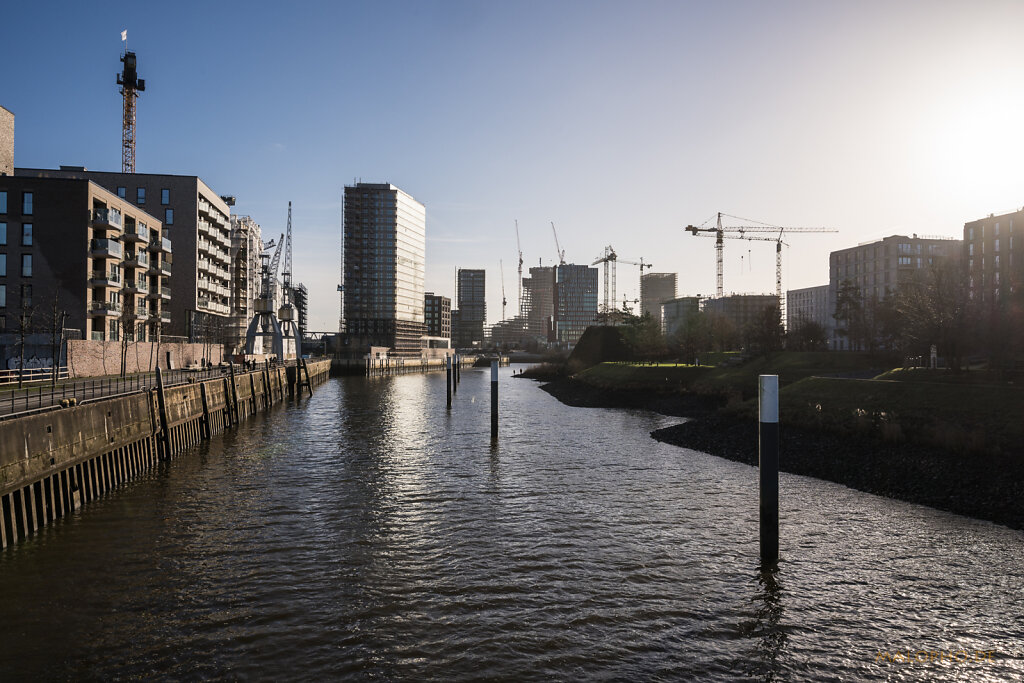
(768, 456)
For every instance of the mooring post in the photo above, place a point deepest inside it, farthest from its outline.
(494, 399)
(162, 405)
(448, 378)
(458, 368)
(234, 391)
(455, 373)
(768, 453)
(206, 411)
(227, 404)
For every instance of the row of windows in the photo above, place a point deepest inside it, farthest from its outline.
(26, 296)
(26, 202)
(140, 195)
(26, 234)
(26, 265)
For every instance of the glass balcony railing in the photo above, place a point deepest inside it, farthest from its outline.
(104, 307)
(105, 247)
(101, 277)
(107, 218)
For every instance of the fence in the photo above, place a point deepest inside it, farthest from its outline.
(32, 375)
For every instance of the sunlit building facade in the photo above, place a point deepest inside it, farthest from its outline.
(385, 264)
(575, 301)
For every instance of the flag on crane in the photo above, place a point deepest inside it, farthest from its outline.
(124, 35)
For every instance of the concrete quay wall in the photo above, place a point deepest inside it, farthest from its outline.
(52, 463)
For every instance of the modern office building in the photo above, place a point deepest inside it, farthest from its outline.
(472, 301)
(72, 245)
(196, 222)
(385, 248)
(882, 267)
(991, 252)
(675, 312)
(539, 303)
(6, 142)
(575, 301)
(437, 312)
(809, 304)
(656, 289)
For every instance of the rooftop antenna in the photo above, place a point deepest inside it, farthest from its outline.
(131, 86)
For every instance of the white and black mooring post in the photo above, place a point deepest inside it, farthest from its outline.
(494, 399)
(455, 374)
(768, 456)
(448, 378)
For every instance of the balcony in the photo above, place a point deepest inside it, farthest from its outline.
(212, 306)
(139, 286)
(107, 219)
(104, 308)
(158, 292)
(140, 233)
(205, 265)
(103, 248)
(162, 317)
(102, 278)
(162, 244)
(136, 259)
(161, 268)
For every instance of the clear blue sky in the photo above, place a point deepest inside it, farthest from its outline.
(622, 122)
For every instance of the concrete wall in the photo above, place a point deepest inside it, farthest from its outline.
(6, 142)
(88, 358)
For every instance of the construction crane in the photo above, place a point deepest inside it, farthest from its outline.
(519, 292)
(131, 86)
(609, 259)
(264, 322)
(740, 233)
(501, 267)
(558, 247)
(719, 231)
(287, 313)
(642, 266)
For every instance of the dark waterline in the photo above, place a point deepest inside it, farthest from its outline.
(367, 533)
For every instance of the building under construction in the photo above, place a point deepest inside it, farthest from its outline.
(538, 303)
(656, 289)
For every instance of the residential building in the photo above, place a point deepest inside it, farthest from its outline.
(300, 299)
(6, 142)
(384, 263)
(741, 310)
(246, 277)
(196, 221)
(809, 304)
(656, 289)
(675, 312)
(539, 303)
(437, 312)
(882, 267)
(471, 296)
(991, 252)
(575, 304)
(72, 245)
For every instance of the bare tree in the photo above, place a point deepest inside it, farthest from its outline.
(25, 324)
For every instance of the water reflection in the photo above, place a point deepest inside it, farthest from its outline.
(767, 629)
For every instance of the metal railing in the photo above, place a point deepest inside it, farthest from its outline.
(32, 375)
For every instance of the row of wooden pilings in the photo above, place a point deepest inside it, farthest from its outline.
(53, 463)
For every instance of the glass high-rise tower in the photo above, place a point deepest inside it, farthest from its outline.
(385, 248)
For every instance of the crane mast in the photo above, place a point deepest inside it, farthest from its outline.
(501, 267)
(519, 291)
(558, 247)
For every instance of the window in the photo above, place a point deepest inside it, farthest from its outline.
(26, 235)
(3, 265)
(26, 203)
(3, 296)
(140, 195)
(3, 233)
(995, 246)
(996, 230)
(970, 249)
(904, 260)
(3, 201)
(113, 330)
(168, 216)
(165, 197)
(26, 295)
(122, 192)
(26, 265)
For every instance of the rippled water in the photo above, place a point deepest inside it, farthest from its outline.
(368, 533)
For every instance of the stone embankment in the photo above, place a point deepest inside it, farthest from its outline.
(51, 463)
(984, 485)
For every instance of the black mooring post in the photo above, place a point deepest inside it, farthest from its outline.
(494, 399)
(448, 378)
(768, 454)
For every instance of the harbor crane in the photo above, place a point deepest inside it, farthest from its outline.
(264, 323)
(740, 232)
(287, 313)
(558, 247)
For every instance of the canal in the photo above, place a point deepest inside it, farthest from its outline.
(368, 533)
